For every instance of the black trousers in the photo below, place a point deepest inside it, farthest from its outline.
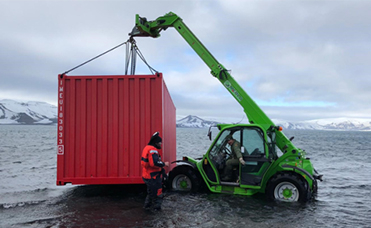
(154, 192)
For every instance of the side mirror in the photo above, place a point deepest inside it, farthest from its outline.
(209, 133)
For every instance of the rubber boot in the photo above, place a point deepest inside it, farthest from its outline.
(158, 202)
(147, 203)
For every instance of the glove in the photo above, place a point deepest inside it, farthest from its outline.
(242, 161)
(164, 176)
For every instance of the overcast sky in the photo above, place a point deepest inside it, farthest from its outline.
(299, 60)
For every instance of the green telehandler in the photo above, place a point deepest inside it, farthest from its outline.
(289, 177)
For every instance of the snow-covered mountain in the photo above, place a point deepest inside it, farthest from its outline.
(320, 124)
(194, 122)
(34, 112)
(31, 112)
(345, 124)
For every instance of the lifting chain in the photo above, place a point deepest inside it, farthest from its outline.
(132, 51)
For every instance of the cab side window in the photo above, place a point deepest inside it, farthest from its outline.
(253, 142)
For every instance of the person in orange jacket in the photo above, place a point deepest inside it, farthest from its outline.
(153, 172)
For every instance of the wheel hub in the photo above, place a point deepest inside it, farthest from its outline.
(182, 183)
(286, 191)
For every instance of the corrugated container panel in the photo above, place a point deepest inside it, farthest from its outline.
(169, 123)
(104, 122)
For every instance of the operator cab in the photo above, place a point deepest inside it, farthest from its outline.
(254, 152)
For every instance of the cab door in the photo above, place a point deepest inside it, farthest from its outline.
(214, 160)
(255, 154)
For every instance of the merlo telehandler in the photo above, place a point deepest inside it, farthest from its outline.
(288, 177)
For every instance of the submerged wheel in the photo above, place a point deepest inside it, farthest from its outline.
(287, 187)
(184, 178)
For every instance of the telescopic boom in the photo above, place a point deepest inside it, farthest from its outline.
(255, 115)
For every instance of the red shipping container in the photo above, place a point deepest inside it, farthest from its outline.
(104, 122)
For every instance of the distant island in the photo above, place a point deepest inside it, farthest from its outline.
(31, 112)
(343, 124)
(42, 113)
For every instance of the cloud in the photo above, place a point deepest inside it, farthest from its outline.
(297, 59)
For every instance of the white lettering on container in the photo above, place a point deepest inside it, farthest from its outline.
(60, 118)
(60, 149)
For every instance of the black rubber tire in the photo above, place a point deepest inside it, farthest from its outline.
(315, 187)
(287, 187)
(184, 179)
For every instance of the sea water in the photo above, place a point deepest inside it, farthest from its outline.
(29, 196)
